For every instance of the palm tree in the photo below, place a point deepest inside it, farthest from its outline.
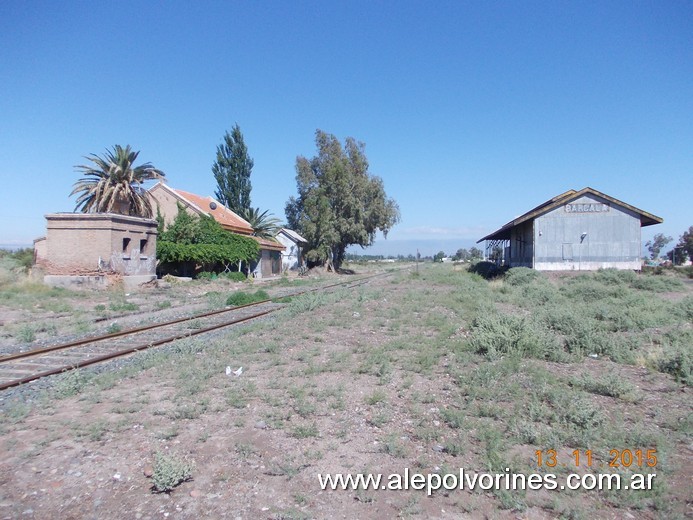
(264, 224)
(114, 184)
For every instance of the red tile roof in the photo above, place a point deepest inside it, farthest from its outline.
(227, 218)
(266, 243)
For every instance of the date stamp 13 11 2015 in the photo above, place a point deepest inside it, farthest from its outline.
(617, 458)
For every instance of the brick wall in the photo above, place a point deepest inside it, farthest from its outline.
(89, 243)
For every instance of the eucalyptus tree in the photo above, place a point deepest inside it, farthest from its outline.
(339, 202)
(655, 245)
(113, 184)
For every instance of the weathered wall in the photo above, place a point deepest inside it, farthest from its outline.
(521, 245)
(168, 204)
(291, 255)
(265, 263)
(91, 243)
(612, 237)
(40, 250)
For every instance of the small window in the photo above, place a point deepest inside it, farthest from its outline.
(143, 246)
(126, 244)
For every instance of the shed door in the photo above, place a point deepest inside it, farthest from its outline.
(567, 252)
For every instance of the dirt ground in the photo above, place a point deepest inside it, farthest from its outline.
(336, 384)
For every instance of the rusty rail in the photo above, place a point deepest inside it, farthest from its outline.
(151, 344)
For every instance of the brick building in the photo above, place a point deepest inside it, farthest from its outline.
(167, 199)
(90, 248)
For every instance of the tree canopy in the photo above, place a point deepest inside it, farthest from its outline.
(683, 249)
(461, 254)
(655, 245)
(114, 185)
(232, 170)
(339, 202)
(476, 254)
(686, 242)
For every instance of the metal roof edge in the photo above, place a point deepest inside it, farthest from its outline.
(563, 198)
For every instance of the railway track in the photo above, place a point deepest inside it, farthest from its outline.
(23, 367)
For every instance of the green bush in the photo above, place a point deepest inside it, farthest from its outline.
(685, 308)
(615, 277)
(496, 334)
(538, 294)
(234, 276)
(634, 312)
(579, 412)
(169, 471)
(610, 385)
(581, 334)
(21, 258)
(123, 306)
(677, 357)
(486, 270)
(657, 283)
(620, 348)
(11, 269)
(521, 276)
(26, 333)
(589, 289)
(242, 298)
(646, 281)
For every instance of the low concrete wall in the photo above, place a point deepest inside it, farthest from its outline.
(70, 282)
(96, 282)
(586, 266)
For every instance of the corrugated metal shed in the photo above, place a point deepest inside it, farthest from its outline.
(576, 230)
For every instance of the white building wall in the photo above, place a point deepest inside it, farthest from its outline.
(290, 255)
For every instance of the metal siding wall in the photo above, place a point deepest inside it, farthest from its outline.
(521, 245)
(613, 238)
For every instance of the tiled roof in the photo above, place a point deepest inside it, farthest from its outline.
(266, 243)
(227, 218)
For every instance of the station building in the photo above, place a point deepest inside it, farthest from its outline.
(168, 200)
(576, 230)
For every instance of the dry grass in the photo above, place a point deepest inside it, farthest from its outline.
(387, 376)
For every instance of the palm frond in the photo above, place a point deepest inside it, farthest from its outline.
(264, 224)
(112, 184)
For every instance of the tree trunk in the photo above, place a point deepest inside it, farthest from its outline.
(337, 257)
(328, 262)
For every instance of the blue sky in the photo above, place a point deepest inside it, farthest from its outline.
(472, 112)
